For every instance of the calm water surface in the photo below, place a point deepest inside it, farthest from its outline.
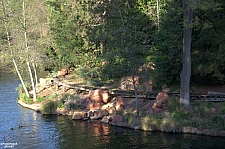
(60, 132)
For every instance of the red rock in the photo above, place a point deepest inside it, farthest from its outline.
(103, 113)
(96, 113)
(164, 100)
(157, 110)
(105, 120)
(154, 105)
(97, 105)
(78, 115)
(158, 104)
(106, 96)
(111, 110)
(119, 107)
(117, 120)
(90, 114)
(90, 106)
(96, 95)
(120, 101)
(62, 72)
(161, 96)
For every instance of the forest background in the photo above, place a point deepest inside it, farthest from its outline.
(109, 39)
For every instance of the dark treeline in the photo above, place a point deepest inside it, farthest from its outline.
(108, 39)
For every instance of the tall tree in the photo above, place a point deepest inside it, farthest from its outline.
(5, 14)
(188, 8)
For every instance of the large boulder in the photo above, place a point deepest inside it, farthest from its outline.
(100, 96)
(96, 95)
(79, 115)
(117, 120)
(105, 120)
(106, 97)
(162, 96)
(161, 99)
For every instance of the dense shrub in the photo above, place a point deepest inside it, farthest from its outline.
(49, 106)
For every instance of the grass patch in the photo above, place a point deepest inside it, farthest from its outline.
(40, 99)
(25, 99)
(129, 116)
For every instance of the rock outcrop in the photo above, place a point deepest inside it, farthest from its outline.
(161, 99)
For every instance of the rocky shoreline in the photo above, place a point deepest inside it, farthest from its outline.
(101, 105)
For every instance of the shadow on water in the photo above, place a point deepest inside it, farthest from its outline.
(60, 132)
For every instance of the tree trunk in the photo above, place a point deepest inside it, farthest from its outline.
(27, 48)
(32, 82)
(188, 7)
(35, 74)
(9, 44)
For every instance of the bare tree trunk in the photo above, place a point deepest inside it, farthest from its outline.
(27, 48)
(9, 44)
(136, 97)
(35, 74)
(157, 5)
(188, 7)
(32, 82)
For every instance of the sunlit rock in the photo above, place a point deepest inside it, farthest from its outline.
(79, 115)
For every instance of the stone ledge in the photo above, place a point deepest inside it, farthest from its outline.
(36, 107)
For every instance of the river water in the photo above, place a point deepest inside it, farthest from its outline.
(25, 129)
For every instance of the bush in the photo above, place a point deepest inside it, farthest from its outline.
(173, 104)
(129, 116)
(222, 109)
(179, 115)
(49, 106)
(20, 89)
(70, 102)
(218, 120)
(202, 110)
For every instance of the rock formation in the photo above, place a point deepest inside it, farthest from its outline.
(161, 99)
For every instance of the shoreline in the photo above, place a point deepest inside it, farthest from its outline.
(184, 129)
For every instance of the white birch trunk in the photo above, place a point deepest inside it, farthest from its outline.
(35, 74)
(28, 57)
(9, 45)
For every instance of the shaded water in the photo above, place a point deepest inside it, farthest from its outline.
(60, 132)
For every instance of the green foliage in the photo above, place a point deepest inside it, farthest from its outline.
(175, 110)
(202, 110)
(129, 116)
(24, 98)
(70, 102)
(20, 88)
(222, 109)
(207, 44)
(40, 99)
(173, 104)
(179, 115)
(108, 40)
(91, 76)
(48, 106)
(218, 120)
